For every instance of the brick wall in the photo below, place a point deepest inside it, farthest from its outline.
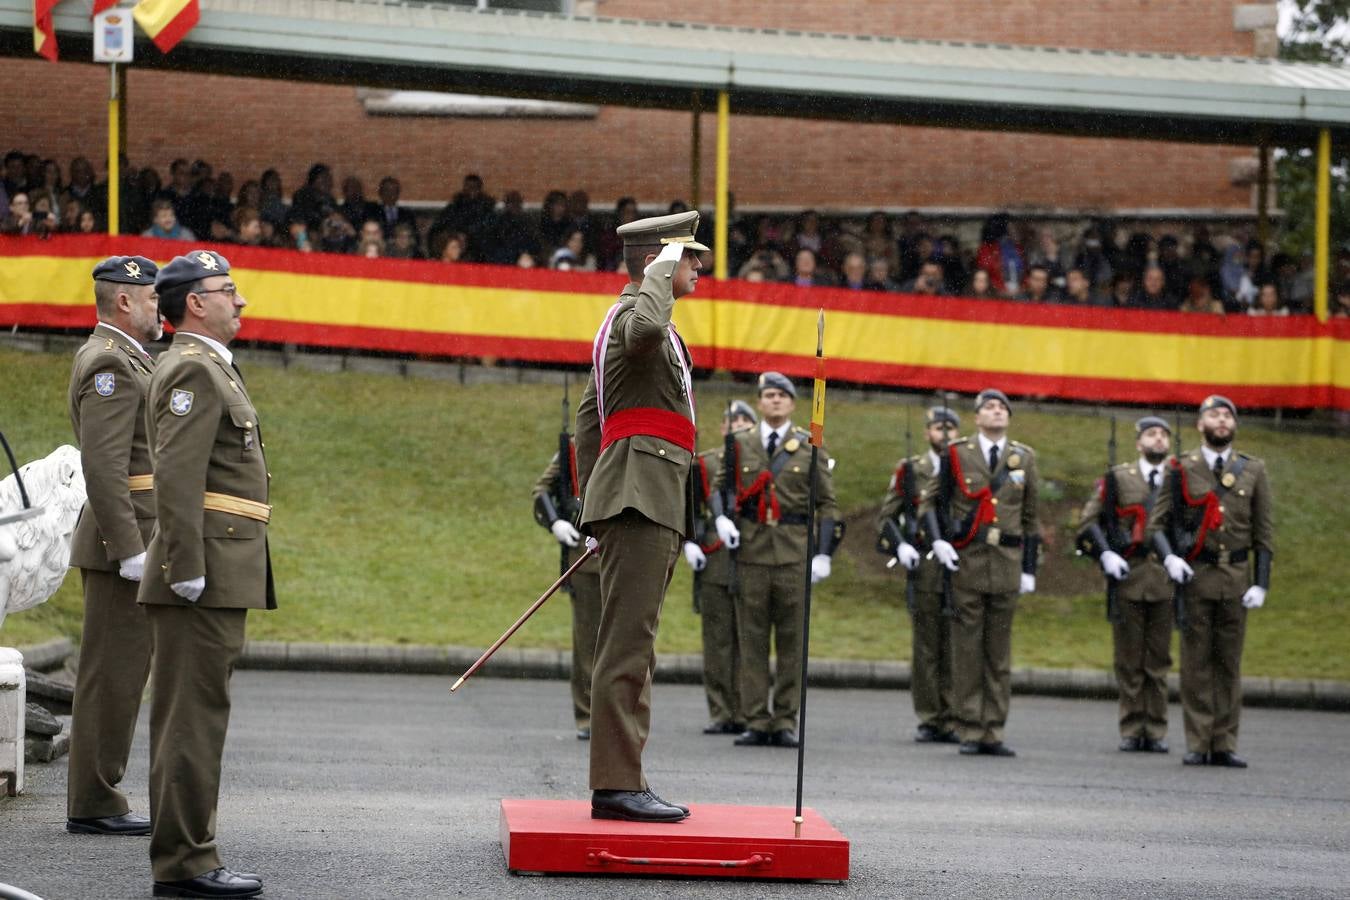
(247, 125)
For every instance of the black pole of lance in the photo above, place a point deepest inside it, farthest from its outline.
(812, 542)
(27, 510)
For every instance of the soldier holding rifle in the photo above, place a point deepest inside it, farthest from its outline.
(1213, 527)
(931, 650)
(1113, 531)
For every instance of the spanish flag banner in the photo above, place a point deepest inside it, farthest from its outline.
(436, 309)
(166, 21)
(44, 32)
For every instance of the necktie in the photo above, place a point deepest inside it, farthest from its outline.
(1153, 480)
(773, 442)
(235, 366)
(993, 457)
(1218, 468)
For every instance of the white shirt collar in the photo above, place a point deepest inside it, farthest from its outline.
(1211, 455)
(934, 459)
(135, 343)
(1146, 467)
(985, 444)
(214, 344)
(765, 431)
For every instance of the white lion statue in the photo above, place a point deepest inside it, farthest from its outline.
(35, 550)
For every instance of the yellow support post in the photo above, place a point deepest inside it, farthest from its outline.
(722, 211)
(1323, 225)
(114, 154)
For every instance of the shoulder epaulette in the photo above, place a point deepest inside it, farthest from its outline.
(960, 440)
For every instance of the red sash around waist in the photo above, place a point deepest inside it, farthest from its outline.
(648, 421)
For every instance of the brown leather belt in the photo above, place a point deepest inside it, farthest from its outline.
(137, 483)
(227, 503)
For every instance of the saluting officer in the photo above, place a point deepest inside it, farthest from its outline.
(635, 448)
(1142, 635)
(1218, 501)
(983, 504)
(209, 556)
(108, 383)
(714, 583)
(772, 469)
(558, 515)
(931, 647)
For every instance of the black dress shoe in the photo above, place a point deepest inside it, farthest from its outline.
(1130, 745)
(970, 748)
(1192, 758)
(216, 883)
(723, 728)
(1153, 745)
(948, 737)
(785, 737)
(1227, 758)
(127, 823)
(634, 806)
(584, 734)
(997, 748)
(925, 734)
(680, 806)
(752, 738)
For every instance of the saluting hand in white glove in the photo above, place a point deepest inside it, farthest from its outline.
(669, 253)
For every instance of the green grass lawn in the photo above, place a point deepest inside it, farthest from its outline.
(402, 515)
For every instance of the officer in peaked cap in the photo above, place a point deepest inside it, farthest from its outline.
(635, 448)
(1229, 526)
(1141, 630)
(108, 385)
(209, 564)
(901, 536)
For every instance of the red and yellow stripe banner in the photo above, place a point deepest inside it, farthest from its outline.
(438, 309)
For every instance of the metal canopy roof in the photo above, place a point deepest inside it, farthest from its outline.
(429, 46)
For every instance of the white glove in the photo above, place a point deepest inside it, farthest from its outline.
(1255, 597)
(133, 567)
(669, 253)
(1114, 565)
(820, 567)
(565, 533)
(728, 532)
(1178, 569)
(908, 556)
(693, 554)
(945, 553)
(1028, 584)
(190, 590)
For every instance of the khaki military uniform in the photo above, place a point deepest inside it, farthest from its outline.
(1216, 621)
(772, 567)
(930, 684)
(585, 584)
(108, 384)
(1143, 636)
(635, 503)
(715, 596)
(211, 485)
(984, 590)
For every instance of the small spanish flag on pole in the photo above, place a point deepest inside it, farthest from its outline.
(818, 393)
(166, 21)
(44, 32)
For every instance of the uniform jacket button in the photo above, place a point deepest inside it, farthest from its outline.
(229, 530)
(661, 451)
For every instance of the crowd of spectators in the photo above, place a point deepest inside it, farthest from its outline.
(1101, 264)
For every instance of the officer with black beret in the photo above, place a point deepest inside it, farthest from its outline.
(108, 385)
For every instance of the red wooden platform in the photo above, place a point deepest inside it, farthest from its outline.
(715, 841)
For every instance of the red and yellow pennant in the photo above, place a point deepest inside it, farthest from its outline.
(166, 21)
(818, 391)
(44, 32)
(438, 309)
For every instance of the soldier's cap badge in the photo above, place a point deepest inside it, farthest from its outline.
(207, 260)
(105, 383)
(133, 269)
(180, 402)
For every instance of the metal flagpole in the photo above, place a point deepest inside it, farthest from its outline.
(817, 439)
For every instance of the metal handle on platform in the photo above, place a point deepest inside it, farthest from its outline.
(604, 857)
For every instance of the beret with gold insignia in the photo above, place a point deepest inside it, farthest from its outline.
(993, 394)
(191, 266)
(938, 414)
(1214, 401)
(126, 270)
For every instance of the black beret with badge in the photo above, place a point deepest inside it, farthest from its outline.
(777, 380)
(993, 394)
(1214, 401)
(1148, 422)
(192, 266)
(678, 228)
(126, 270)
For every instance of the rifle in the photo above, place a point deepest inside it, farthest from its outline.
(909, 510)
(1181, 539)
(566, 501)
(946, 487)
(1103, 535)
(728, 493)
